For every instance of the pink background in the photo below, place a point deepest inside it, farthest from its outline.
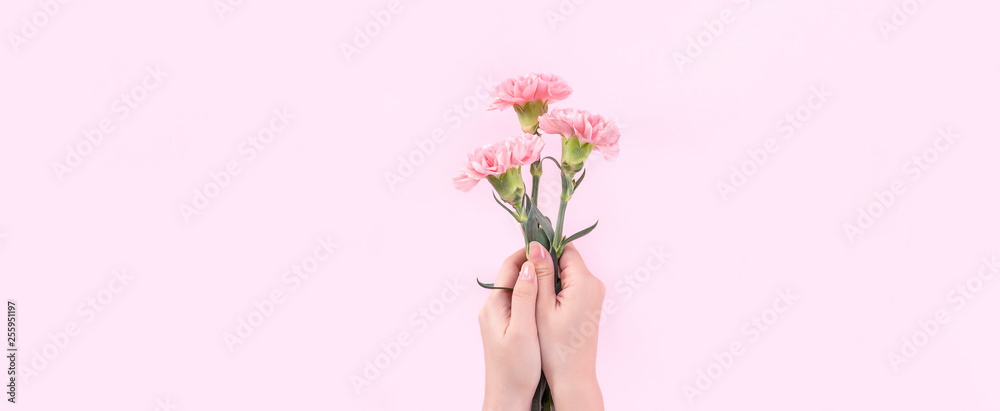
(162, 337)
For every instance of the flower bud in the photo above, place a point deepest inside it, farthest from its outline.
(536, 168)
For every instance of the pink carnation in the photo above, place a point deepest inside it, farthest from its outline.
(524, 149)
(588, 127)
(482, 162)
(529, 87)
(495, 159)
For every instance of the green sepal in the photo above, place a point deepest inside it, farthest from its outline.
(574, 154)
(528, 113)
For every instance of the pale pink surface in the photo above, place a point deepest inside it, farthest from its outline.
(587, 126)
(427, 75)
(545, 87)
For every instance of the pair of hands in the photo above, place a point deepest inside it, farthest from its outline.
(531, 330)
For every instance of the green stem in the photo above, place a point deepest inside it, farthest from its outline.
(559, 223)
(567, 181)
(529, 232)
(536, 176)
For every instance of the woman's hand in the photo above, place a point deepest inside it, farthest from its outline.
(567, 328)
(510, 338)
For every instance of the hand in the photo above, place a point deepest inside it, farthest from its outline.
(567, 328)
(510, 338)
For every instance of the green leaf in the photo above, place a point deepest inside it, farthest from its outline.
(531, 223)
(512, 214)
(581, 233)
(491, 286)
(576, 183)
(544, 224)
(543, 240)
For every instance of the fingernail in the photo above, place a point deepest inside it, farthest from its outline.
(537, 252)
(526, 271)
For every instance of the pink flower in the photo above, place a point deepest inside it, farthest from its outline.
(588, 127)
(464, 182)
(495, 159)
(524, 149)
(482, 162)
(542, 87)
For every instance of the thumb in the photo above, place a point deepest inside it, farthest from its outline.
(542, 262)
(522, 302)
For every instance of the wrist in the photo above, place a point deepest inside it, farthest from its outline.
(578, 392)
(499, 399)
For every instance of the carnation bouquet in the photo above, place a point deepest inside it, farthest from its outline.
(580, 133)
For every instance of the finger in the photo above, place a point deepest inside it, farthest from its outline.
(522, 302)
(571, 262)
(571, 266)
(508, 274)
(545, 271)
